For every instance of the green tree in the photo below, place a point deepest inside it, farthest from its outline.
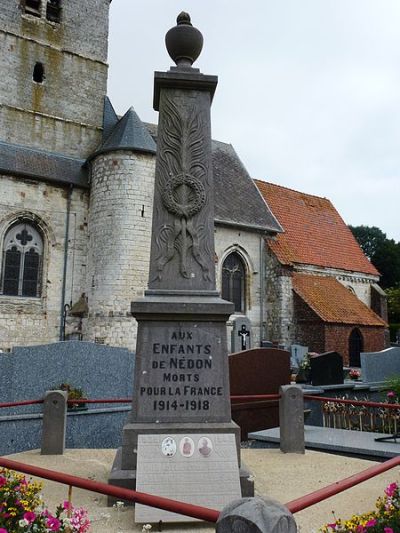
(369, 238)
(383, 253)
(393, 299)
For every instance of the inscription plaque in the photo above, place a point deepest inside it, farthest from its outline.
(182, 376)
(206, 478)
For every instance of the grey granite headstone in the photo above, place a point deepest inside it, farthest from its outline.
(181, 382)
(379, 366)
(297, 354)
(241, 334)
(194, 460)
(86, 365)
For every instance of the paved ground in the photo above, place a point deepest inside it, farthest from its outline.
(283, 477)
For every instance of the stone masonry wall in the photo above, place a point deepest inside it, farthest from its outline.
(34, 321)
(279, 301)
(119, 244)
(337, 338)
(64, 113)
(247, 244)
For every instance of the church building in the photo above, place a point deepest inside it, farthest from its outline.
(76, 184)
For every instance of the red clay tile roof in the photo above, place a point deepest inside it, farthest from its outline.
(315, 234)
(333, 302)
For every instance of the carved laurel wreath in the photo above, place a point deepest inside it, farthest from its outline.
(183, 193)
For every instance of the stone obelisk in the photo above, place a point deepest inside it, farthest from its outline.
(181, 383)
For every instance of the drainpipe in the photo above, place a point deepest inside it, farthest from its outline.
(262, 286)
(63, 311)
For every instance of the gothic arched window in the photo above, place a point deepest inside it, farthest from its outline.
(356, 346)
(22, 261)
(234, 281)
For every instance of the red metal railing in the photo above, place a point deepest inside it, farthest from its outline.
(195, 511)
(253, 397)
(202, 513)
(339, 486)
(17, 404)
(352, 402)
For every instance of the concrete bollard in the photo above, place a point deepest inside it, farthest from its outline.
(291, 419)
(54, 422)
(255, 515)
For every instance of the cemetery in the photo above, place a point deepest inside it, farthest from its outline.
(179, 434)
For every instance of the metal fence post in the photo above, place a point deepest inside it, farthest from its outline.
(54, 422)
(255, 515)
(291, 419)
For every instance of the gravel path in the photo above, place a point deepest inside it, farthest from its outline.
(283, 477)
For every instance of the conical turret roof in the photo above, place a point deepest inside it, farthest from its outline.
(128, 134)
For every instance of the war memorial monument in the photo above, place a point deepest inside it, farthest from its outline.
(179, 440)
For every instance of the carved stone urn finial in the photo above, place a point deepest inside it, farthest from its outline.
(184, 42)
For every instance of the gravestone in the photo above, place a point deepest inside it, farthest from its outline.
(326, 369)
(181, 370)
(257, 371)
(241, 334)
(297, 354)
(379, 366)
(86, 365)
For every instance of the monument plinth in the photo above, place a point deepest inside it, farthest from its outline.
(181, 382)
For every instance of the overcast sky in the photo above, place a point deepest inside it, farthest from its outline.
(308, 93)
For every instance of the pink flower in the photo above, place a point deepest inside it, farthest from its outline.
(388, 530)
(2, 530)
(68, 506)
(391, 489)
(371, 523)
(3, 481)
(332, 526)
(52, 523)
(29, 516)
(391, 394)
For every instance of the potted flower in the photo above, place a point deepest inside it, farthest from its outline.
(354, 374)
(303, 375)
(74, 393)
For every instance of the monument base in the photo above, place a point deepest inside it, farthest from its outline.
(124, 469)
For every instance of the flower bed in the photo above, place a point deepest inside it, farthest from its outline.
(22, 509)
(385, 519)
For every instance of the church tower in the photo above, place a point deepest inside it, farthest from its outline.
(54, 74)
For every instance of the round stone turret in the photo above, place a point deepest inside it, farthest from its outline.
(184, 42)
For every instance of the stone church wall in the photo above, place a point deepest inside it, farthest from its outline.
(279, 302)
(248, 245)
(37, 320)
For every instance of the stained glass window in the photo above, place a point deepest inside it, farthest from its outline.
(22, 261)
(234, 281)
